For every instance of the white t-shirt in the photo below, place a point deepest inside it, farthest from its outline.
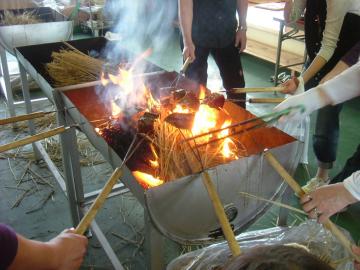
(336, 11)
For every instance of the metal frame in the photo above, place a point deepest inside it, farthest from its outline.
(292, 34)
(6, 83)
(71, 184)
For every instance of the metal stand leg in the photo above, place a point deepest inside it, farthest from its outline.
(154, 246)
(71, 164)
(278, 53)
(28, 106)
(8, 91)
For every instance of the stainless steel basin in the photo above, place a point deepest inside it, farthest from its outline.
(53, 28)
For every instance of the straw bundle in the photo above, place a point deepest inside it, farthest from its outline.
(70, 66)
(177, 158)
(27, 17)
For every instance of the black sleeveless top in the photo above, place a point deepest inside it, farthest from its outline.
(214, 23)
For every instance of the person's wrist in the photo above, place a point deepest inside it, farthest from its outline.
(54, 258)
(242, 28)
(349, 198)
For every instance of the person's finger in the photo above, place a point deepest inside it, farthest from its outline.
(313, 214)
(306, 198)
(309, 206)
(322, 218)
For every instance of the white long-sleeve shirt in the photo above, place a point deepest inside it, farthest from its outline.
(344, 86)
(352, 184)
(335, 13)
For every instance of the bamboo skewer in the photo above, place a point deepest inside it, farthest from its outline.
(266, 100)
(34, 138)
(23, 117)
(300, 192)
(100, 199)
(257, 89)
(185, 65)
(98, 203)
(220, 213)
(258, 100)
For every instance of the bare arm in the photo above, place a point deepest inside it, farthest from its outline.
(314, 68)
(64, 252)
(185, 20)
(240, 38)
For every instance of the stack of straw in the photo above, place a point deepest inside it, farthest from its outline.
(27, 17)
(71, 66)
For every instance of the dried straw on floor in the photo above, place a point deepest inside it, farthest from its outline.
(70, 66)
(9, 18)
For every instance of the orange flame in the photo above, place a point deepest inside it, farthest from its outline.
(147, 180)
(228, 143)
(202, 92)
(115, 110)
(205, 120)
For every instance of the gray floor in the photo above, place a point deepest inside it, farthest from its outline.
(38, 209)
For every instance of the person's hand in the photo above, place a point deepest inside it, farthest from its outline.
(293, 86)
(68, 249)
(326, 201)
(189, 51)
(240, 39)
(356, 251)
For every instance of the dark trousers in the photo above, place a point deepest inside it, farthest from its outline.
(325, 138)
(228, 61)
(351, 165)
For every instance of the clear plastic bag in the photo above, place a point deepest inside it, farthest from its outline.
(314, 236)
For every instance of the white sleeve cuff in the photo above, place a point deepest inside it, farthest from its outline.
(352, 184)
(343, 87)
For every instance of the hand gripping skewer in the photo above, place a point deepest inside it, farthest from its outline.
(329, 225)
(101, 198)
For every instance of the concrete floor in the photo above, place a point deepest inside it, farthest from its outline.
(122, 217)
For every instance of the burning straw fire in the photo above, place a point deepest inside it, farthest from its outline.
(166, 123)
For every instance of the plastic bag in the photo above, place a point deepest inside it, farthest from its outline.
(314, 236)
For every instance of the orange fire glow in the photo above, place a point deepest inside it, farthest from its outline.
(205, 120)
(131, 90)
(115, 110)
(228, 145)
(147, 180)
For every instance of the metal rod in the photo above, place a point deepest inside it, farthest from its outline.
(257, 89)
(300, 192)
(220, 213)
(33, 138)
(268, 118)
(23, 117)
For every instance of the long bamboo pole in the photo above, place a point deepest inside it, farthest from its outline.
(99, 202)
(300, 192)
(257, 89)
(32, 139)
(220, 213)
(23, 117)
